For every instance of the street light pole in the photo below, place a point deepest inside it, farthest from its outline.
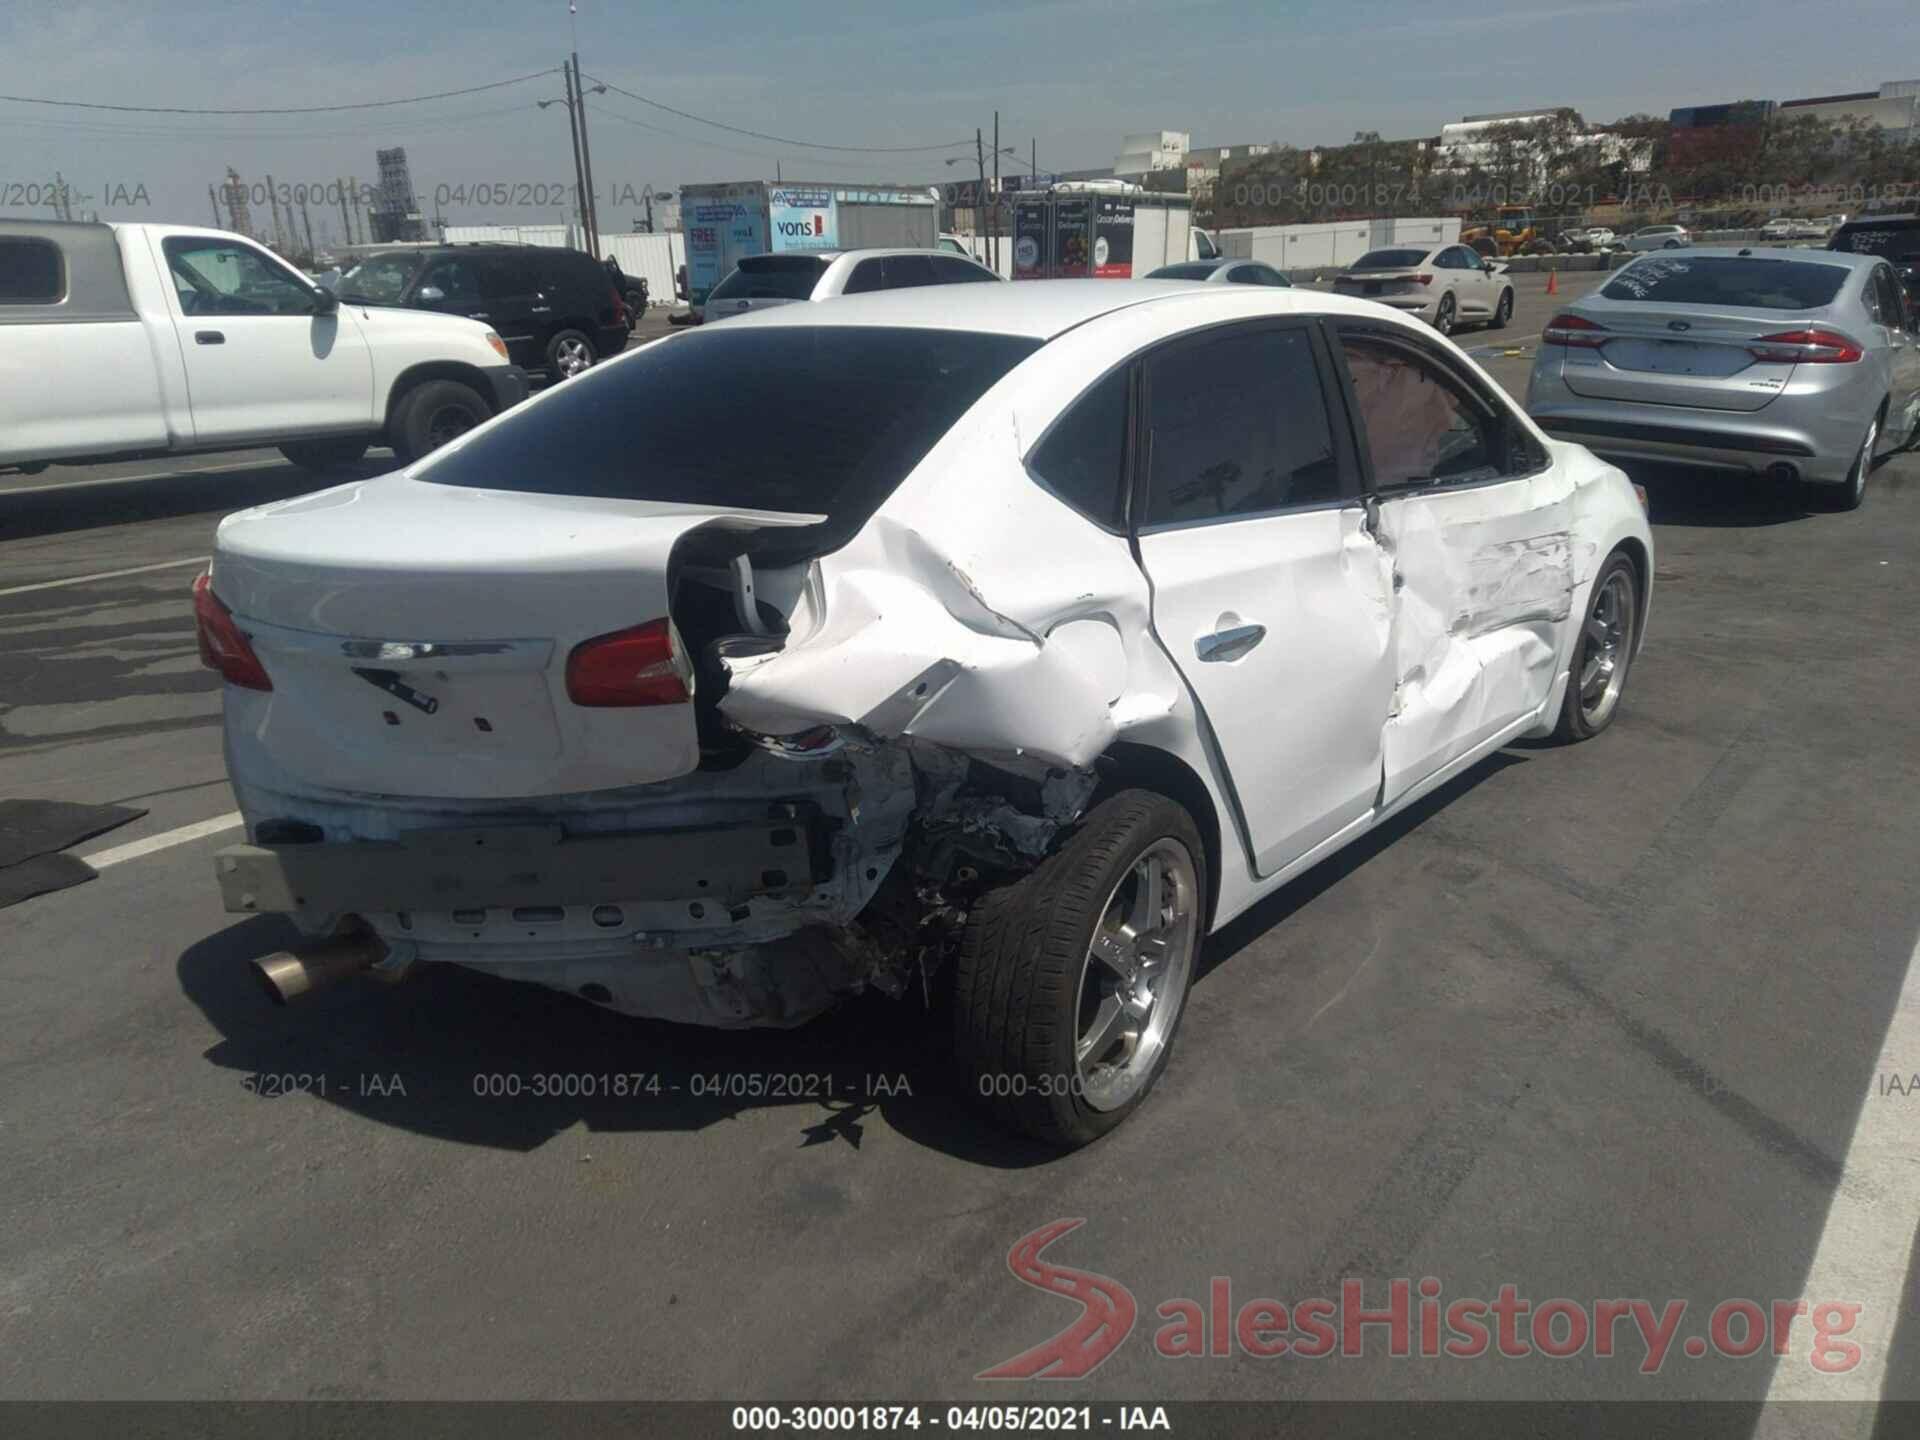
(586, 161)
(573, 136)
(993, 244)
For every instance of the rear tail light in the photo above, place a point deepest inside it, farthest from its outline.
(643, 665)
(223, 645)
(1807, 347)
(619, 305)
(1575, 330)
(1423, 279)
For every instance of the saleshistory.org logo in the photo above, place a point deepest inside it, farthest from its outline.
(1413, 1320)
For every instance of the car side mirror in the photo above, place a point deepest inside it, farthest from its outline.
(325, 302)
(429, 294)
(1487, 265)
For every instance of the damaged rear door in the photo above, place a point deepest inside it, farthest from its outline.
(1475, 519)
(1269, 592)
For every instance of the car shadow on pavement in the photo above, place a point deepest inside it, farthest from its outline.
(1677, 495)
(1297, 893)
(465, 1057)
(50, 508)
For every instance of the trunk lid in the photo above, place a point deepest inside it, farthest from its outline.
(1368, 284)
(1679, 355)
(417, 636)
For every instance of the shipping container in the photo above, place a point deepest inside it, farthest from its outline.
(1104, 230)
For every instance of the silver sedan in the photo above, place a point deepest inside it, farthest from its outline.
(1222, 272)
(1797, 364)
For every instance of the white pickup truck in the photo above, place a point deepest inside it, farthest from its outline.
(133, 341)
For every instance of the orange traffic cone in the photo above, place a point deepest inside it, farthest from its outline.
(1553, 282)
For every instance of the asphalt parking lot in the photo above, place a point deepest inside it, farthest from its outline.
(1611, 1021)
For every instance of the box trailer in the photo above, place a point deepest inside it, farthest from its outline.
(758, 217)
(1334, 244)
(1105, 232)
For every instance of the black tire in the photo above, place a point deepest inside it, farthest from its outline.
(569, 353)
(324, 456)
(439, 411)
(1581, 718)
(636, 307)
(1847, 496)
(1444, 315)
(1020, 983)
(1502, 311)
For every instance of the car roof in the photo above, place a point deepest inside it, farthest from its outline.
(1042, 309)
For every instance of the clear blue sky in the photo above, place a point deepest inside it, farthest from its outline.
(1075, 75)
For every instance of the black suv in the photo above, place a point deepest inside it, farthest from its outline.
(1897, 237)
(557, 309)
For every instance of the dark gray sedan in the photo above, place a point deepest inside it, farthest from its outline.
(1797, 364)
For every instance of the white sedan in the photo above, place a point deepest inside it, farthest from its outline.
(1012, 649)
(1446, 285)
(764, 282)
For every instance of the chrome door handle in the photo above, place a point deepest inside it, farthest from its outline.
(1229, 644)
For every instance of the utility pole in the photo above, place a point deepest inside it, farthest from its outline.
(273, 203)
(573, 137)
(345, 228)
(214, 200)
(586, 162)
(1033, 160)
(307, 221)
(993, 245)
(979, 194)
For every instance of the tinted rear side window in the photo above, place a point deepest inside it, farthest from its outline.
(1083, 459)
(1389, 259)
(1748, 284)
(771, 277)
(1192, 270)
(31, 272)
(1894, 238)
(839, 416)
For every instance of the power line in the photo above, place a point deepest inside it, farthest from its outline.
(706, 144)
(280, 109)
(103, 129)
(782, 139)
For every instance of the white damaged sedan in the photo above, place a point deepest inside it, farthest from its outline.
(1011, 642)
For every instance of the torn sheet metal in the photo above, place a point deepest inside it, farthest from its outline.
(1484, 582)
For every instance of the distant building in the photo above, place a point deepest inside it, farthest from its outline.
(1152, 150)
(1894, 107)
(396, 213)
(1203, 165)
(1474, 142)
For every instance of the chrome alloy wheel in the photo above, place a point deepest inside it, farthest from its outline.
(1134, 979)
(571, 357)
(1603, 672)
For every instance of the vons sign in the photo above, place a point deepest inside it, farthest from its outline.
(801, 218)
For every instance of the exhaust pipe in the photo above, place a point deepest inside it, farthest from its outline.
(288, 975)
(1782, 473)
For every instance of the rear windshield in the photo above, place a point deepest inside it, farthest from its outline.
(1196, 270)
(1893, 238)
(838, 416)
(772, 277)
(1389, 259)
(1746, 283)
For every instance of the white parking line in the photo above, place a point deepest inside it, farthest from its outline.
(133, 850)
(106, 575)
(1867, 1242)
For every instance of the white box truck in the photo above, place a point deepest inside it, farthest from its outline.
(1326, 245)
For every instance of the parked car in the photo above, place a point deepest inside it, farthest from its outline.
(632, 290)
(557, 309)
(1798, 364)
(764, 282)
(1896, 238)
(1587, 239)
(1222, 272)
(1659, 237)
(858, 694)
(1446, 285)
(133, 341)
(955, 245)
(1788, 228)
